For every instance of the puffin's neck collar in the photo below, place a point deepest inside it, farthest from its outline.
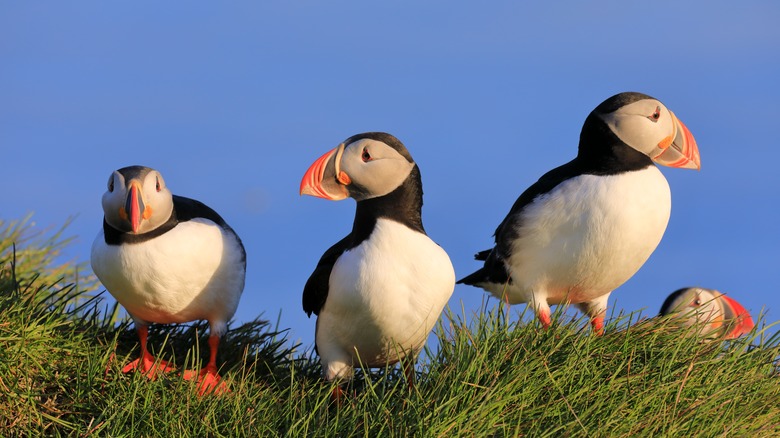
(601, 152)
(117, 237)
(403, 205)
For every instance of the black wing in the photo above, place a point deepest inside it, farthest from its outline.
(494, 269)
(315, 292)
(507, 230)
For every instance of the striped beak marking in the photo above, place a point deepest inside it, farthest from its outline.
(678, 149)
(325, 179)
(740, 319)
(135, 209)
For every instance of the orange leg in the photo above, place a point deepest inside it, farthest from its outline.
(209, 381)
(337, 396)
(544, 318)
(146, 363)
(597, 311)
(598, 325)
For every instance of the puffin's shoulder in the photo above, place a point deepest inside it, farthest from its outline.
(545, 184)
(187, 209)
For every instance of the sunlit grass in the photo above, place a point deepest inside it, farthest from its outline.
(61, 354)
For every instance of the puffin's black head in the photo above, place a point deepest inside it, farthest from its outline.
(618, 101)
(385, 138)
(642, 123)
(364, 166)
(137, 200)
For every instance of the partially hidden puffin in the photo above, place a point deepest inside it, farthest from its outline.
(711, 311)
(586, 227)
(377, 292)
(168, 259)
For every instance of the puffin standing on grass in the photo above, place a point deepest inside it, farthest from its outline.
(378, 292)
(714, 313)
(168, 259)
(586, 227)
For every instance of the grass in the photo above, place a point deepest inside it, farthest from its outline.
(61, 352)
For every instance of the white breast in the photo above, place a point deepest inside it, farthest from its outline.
(384, 298)
(588, 236)
(191, 272)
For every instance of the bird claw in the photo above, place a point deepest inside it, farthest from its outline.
(148, 366)
(209, 381)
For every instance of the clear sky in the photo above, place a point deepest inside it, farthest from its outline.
(232, 101)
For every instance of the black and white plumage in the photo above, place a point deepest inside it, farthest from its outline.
(378, 292)
(712, 312)
(586, 227)
(167, 259)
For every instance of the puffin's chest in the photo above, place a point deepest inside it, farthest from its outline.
(167, 273)
(592, 232)
(395, 271)
(386, 293)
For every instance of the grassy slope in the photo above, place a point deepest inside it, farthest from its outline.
(59, 376)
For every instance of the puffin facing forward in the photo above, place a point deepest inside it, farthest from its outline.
(378, 292)
(714, 313)
(168, 259)
(586, 227)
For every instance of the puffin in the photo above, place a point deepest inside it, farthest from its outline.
(168, 259)
(378, 292)
(586, 227)
(716, 314)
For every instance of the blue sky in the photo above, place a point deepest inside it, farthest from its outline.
(233, 101)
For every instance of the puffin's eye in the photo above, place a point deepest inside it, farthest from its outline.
(656, 114)
(697, 302)
(158, 186)
(366, 156)
(111, 183)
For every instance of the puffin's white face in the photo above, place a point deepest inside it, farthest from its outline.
(698, 306)
(710, 310)
(363, 169)
(649, 127)
(137, 200)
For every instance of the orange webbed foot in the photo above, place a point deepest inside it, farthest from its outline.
(148, 366)
(338, 396)
(209, 381)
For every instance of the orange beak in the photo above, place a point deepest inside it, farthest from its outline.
(134, 210)
(324, 179)
(739, 317)
(679, 149)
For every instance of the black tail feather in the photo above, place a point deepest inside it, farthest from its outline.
(494, 270)
(477, 277)
(483, 255)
